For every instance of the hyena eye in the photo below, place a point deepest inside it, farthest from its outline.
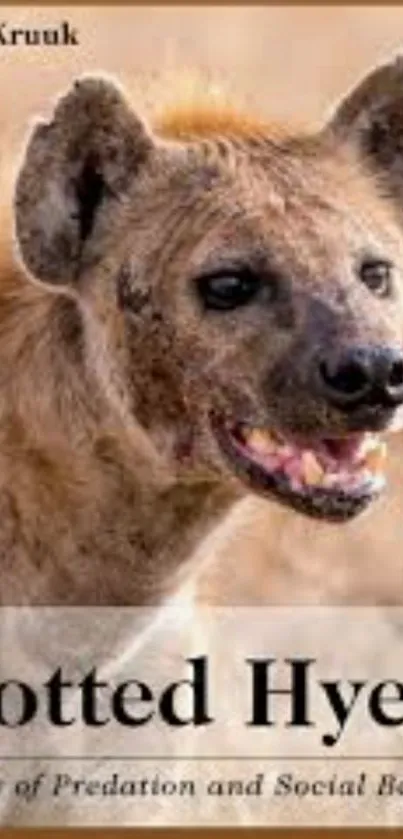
(377, 276)
(228, 289)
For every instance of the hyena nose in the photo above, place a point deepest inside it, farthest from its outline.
(363, 376)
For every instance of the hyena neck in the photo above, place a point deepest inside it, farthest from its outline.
(90, 514)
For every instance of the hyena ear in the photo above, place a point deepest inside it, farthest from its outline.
(76, 168)
(371, 117)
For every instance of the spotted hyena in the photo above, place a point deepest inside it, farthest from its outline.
(215, 308)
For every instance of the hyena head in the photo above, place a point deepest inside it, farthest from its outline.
(239, 290)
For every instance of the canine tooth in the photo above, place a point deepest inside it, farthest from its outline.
(261, 441)
(369, 443)
(397, 422)
(311, 469)
(375, 459)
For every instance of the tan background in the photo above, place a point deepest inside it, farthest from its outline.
(290, 63)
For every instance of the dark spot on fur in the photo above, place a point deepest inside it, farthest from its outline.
(131, 297)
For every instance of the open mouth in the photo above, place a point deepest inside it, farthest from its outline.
(328, 478)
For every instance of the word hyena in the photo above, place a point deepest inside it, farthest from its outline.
(216, 308)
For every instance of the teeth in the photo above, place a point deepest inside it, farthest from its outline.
(312, 471)
(375, 459)
(261, 441)
(305, 468)
(397, 422)
(369, 444)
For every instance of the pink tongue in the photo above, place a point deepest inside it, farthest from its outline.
(294, 468)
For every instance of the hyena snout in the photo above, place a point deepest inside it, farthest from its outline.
(363, 376)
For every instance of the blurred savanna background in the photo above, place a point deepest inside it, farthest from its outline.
(291, 64)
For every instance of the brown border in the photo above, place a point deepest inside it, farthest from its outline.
(185, 832)
(204, 833)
